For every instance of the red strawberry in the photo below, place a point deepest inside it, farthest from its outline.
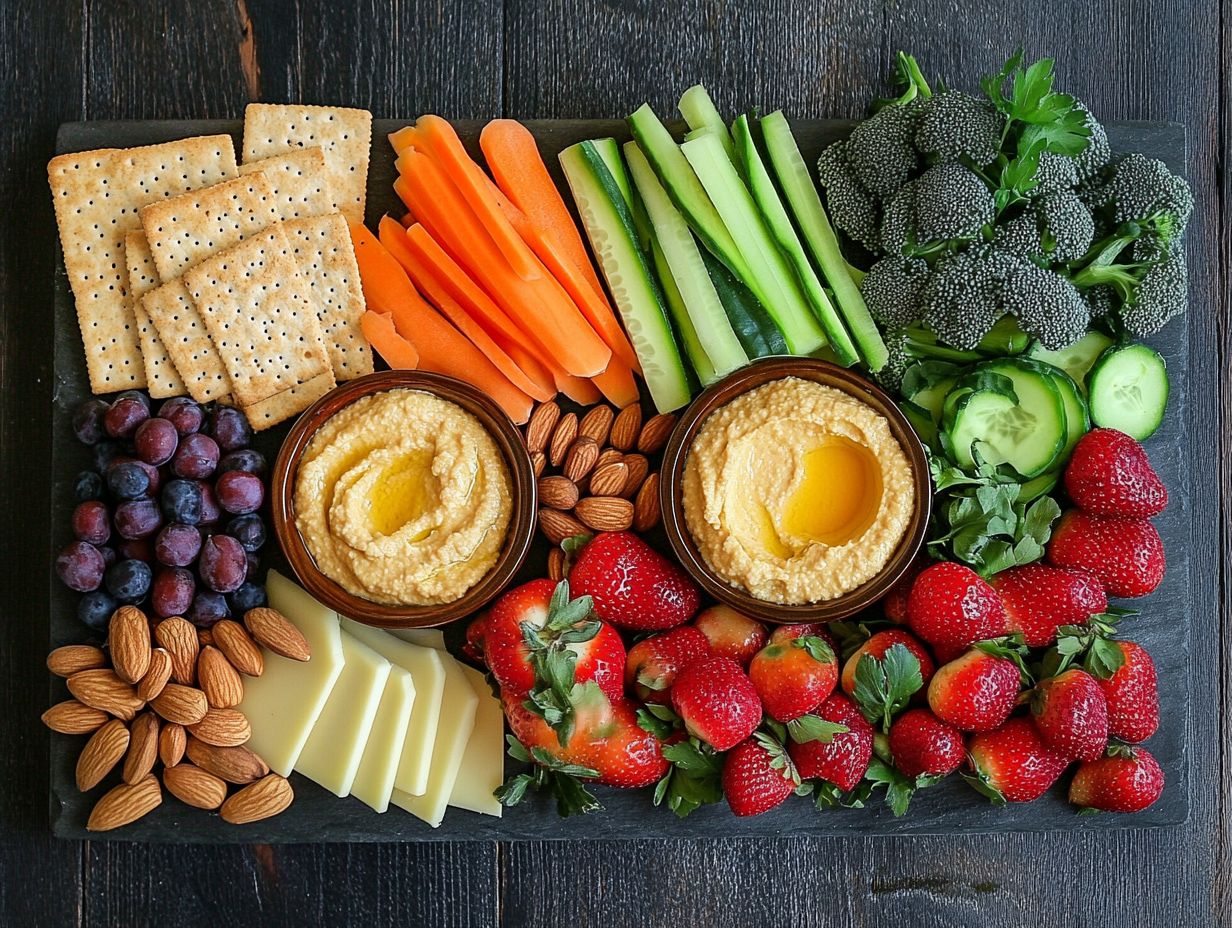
(1012, 764)
(1109, 475)
(793, 675)
(473, 648)
(894, 605)
(952, 606)
(1071, 714)
(1039, 598)
(1127, 780)
(717, 701)
(843, 759)
(758, 775)
(1132, 695)
(1125, 555)
(877, 645)
(923, 745)
(732, 634)
(633, 586)
(627, 755)
(975, 692)
(790, 632)
(654, 662)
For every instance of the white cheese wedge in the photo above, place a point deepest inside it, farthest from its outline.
(457, 721)
(424, 637)
(374, 780)
(284, 702)
(333, 750)
(426, 666)
(483, 762)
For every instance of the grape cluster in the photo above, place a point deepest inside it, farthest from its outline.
(169, 512)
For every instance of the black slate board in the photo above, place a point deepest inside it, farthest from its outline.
(318, 816)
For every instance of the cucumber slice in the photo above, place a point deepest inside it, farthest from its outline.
(1128, 388)
(759, 335)
(1036, 487)
(1077, 416)
(1077, 359)
(608, 221)
(690, 344)
(922, 421)
(700, 113)
(930, 399)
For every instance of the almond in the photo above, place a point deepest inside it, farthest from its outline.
(235, 765)
(562, 438)
(74, 658)
(263, 799)
(639, 467)
(194, 786)
(129, 638)
(556, 564)
(237, 646)
(204, 637)
(179, 637)
(646, 509)
(102, 752)
(223, 728)
(538, 461)
(125, 804)
(274, 630)
(582, 456)
(219, 681)
(558, 492)
(74, 718)
(171, 743)
(185, 705)
(608, 456)
(539, 429)
(605, 513)
(597, 424)
(102, 689)
(142, 747)
(156, 676)
(656, 432)
(609, 480)
(558, 526)
(626, 428)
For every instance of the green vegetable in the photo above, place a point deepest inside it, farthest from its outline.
(701, 114)
(883, 686)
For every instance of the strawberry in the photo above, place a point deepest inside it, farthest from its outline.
(894, 605)
(793, 675)
(842, 758)
(1012, 763)
(793, 630)
(473, 647)
(654, 662)
(595, 720)
(923, 745)
(1109, 475)
(952, 606)
(632, 585)
(717, 702)
(732, 634)
(1125, 555)
(975, 692)
(627, 755)
(877, 645)
(1039, 599)
(758, 775)
(1132, 695)
(1071, 714)
(1127, 780)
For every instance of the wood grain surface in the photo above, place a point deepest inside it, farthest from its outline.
(1128, 59)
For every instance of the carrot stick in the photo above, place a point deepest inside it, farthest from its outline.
(617, 384)
(403, 138)
(379, 329)
(580, 390)
(382, 279)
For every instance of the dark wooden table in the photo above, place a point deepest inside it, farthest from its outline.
(120, 59)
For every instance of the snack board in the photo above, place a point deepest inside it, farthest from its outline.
(316, 815)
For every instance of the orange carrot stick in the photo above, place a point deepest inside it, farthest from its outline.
(579, 389)
(402, 138)
(382, 279)
(379, 329)
(617, 384)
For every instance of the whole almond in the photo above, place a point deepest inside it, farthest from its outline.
(626, 428)
(233, 640)
(74, 718)
(156, 676)
(558, 492)
(605, 513)
(639, 467)
(125, 804)
(597, 424)
(128, 635)
(142, 747)
(185, 705)
(223, 728)
(171, 743)
(656, 432)
(103, 690)
(609, 480)
(102, 752)
(539, 428)
(179, 637)
(608, 456)
(235, 765)
(556, 564)
(204, 637)
(74, 658)
(263, 799)
(538, 461)
(558, 526)
(646, 509)
(582, 455)
(219, 681)
(194, 786)
(274, 630)
(562, 437)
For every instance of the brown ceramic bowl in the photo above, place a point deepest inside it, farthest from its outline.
(719, 394)
(521, 525)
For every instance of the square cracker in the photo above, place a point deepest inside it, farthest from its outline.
(288, 403)
(299, 181)
(187, 341)
(162, 378)
(344, 134)
(97, 196)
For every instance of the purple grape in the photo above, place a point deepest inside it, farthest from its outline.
(172, 592)
(136, 549)
(177, 545)
(248, 596)
(88, 421)
(184, 413)
(127, 480)
(248, 530)
(139, 518)
(181, 501)
(88, 486)
(92, 522)
(80, 566)
(207, 608)
(223, 564)
(109, 554)
(239, 492)
(155, 476)
(138, 395)
(254, 567)
(156, 441)
(248, 460)
(95, 610)
(229, 428)
(196, 458)
(106, 453)
(129, 581)
(122, 419)
(210, 511)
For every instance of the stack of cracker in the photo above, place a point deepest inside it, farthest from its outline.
(235, 283)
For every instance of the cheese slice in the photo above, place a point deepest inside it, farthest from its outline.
(374, 781)
(427, 668)
(284, 702)
(483, 762)
(424, 637)
(454, 731)
(333, 750)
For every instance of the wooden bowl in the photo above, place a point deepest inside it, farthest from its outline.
(521, 526)
(721, 393)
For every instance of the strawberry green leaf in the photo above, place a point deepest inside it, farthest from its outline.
(572, 796)
(884, 686)
(899, 788)
(811, 728)
(829, 796)
(1103, 658)
(517, 750)
(694, 777)
(660, 728)
(981, 784)
(818, 648)
(513, 790)
(693, 756)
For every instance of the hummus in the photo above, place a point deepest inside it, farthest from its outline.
(404, 498)
(797, 492)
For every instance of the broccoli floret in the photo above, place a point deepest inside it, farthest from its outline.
(880, 149)
(1097, 153)
(1161, 294)
(891, 290)
(1101, 301)
(1046, 305)
(1142, 190)
(1020, 236)
(852, 209)
(961, 299)
(1055, 172)
(891, 374)
(1065, 225)
(946, 203)
(953, 124)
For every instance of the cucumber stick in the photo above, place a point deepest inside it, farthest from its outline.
(779, 223)
(609, 225)
(684, 261)
(609, 150)
(758, 333)
(770, 278)
(689, 342)
(700, 113)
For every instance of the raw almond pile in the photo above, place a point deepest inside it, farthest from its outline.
(166, 692)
